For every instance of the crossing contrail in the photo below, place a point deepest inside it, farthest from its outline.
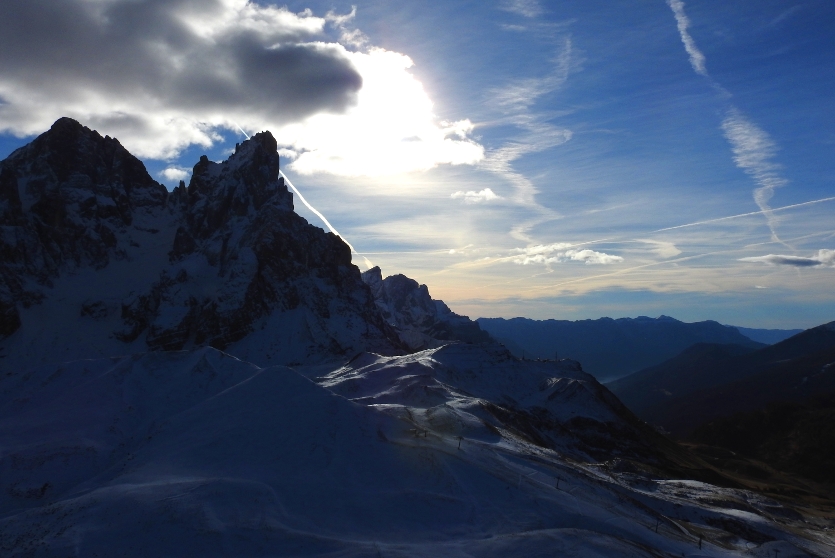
(322, 217)
(753, 148)
(761, 212)
(313, 209)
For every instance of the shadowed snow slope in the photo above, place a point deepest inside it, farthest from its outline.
(196, 453)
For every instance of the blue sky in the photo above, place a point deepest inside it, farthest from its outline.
(565, 160)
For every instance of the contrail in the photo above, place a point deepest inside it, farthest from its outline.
(313, 209)
(322, 217)
(752, 147)
(697, 59)
(753, 153)
(761, 212)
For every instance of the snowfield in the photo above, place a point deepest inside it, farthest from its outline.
(197, 453)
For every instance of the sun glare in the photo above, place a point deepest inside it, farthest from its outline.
(391, 130)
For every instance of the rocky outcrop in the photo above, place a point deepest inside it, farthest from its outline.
(212, 263)
(421, 321)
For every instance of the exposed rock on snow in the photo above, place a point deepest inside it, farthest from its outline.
(67, 200)
(421, 321)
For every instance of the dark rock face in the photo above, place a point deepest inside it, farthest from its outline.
(422, 322)
(238, 217)
(795, 437)
(66, 201)
(237, 255)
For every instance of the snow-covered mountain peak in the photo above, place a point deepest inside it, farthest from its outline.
(68, 199)
(100, 260)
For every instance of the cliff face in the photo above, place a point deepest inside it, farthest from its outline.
(223, 259)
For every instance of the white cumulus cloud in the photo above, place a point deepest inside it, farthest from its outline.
(561, 252)
(472, 197)
(175, 174)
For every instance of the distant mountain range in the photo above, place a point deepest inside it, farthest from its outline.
(767, 336)
(771, 403)
(609, 348)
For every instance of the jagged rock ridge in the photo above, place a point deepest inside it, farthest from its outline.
(421, 321)
(208, 264)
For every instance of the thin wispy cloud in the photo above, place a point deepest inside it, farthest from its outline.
(662, 248)
(472, 197)
(349, 35)
(515, 103)
(824, 258)
(697, 59)
(526, 8)
(785, 15)
(754, 153)
(753, 148)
